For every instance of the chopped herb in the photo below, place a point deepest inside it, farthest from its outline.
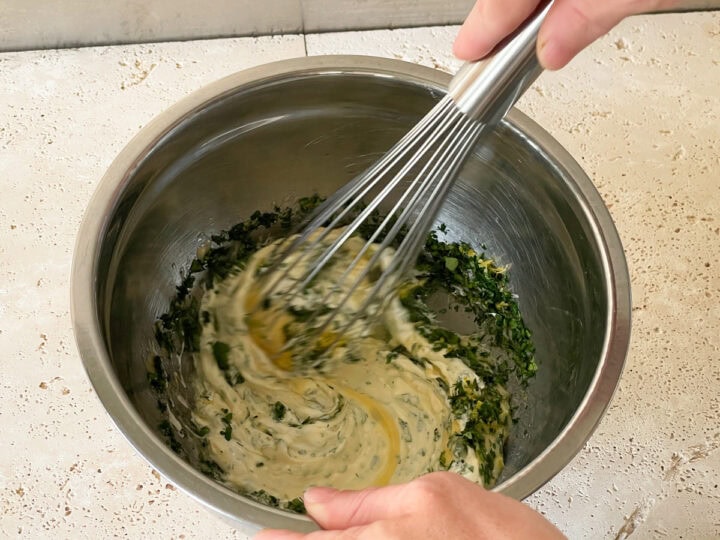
(196, 266)
(296, 505)
(285, 217)
(481, 287)
(482, 409)
(168, 432)
(264, 497)
(442, 383)
(405, 431)
(226, 419)
(451, 263)
(278, 411)
(397, 351)
(180, 327)
(220, 352)
(157, 377)
(309, 204)
(210, 468)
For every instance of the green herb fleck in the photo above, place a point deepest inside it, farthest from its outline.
(296, 505)
(442, 383)
(397, 351)
(226, 419)
(264, 497)
(166, 428)
(210, 468)
(451, 263)
(278, 411)
(196, 266)
(405, 431)
(157, 377)
(220, 352)
(486, 421)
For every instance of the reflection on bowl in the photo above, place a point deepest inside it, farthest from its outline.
(278, 132)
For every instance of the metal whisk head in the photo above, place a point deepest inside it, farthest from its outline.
(412, 179)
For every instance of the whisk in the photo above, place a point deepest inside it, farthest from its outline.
(417, 174)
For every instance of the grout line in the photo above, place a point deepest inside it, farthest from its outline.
(302, 25)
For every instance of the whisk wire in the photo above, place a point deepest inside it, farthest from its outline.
(432, 179)
(391, 218)
(336, 208)
(415, 237)
(372, 206)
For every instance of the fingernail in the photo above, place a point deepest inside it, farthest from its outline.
(319, 495)
(548, 53)
(316, 500)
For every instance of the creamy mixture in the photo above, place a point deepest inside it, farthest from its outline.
(376, 410)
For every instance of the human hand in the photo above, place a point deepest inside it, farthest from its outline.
(570, 25)
(436, 506)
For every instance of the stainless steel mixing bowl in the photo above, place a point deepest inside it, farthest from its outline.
(275, 133)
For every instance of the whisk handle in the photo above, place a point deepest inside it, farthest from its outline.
(485, 90)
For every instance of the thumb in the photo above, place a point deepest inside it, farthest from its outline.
(338, 510)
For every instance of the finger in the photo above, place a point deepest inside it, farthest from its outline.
(488, 23)
(276, 534)
(354, 533)
(334, 510)
(572, 25)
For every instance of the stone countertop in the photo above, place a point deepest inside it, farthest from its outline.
(640, 111)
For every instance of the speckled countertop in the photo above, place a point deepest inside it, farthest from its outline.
(640, 110)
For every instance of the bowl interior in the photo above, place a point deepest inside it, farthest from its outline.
(273, 141)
